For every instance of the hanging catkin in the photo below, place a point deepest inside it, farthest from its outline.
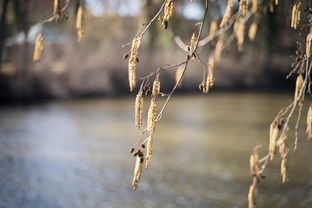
(80, 22)
(39, 45)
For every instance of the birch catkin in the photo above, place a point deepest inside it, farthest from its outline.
(39, 45)
(168, 12)
(133, 62)
(179, 74)
(252, 31)
(137, 170)
(57, 9)
(149, 151)
(309, 45)
(213, 29)
(151, 117)
(296, 13)
(274, 132)
(239, 31)
(219, 48)
(80, 22)
(227, 14)
(299, 84)
(309, 123)
(139, 101)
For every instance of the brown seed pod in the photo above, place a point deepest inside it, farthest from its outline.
(137, 172)
(168, 12)
(227, 14)
(57, 9)
(80, 22)
(139, 101)
(151, 117)
(299, 84)
(309, 123)
(252, 31)
(39, 45)
(133, 62)
(149, 151)
(213, 29)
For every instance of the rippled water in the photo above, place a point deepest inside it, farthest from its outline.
(75, 154)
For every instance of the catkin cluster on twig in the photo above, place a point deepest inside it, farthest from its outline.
(39, 45)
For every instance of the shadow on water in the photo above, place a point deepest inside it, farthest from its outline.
(75, 154)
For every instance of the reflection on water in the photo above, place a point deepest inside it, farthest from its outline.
(75, 154)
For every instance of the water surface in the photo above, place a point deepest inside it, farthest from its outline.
(75, 154)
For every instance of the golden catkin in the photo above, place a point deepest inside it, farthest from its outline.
(296, 13)
(193, 45)
(213, 29)
(309, 123)
(133, 63)
(151, 117)
(276, 2)
(149, 151)
(210, 76)
(239, 31)
(284, 169)
(255, 6)
(299, 84)
(57, 9)
(139, 101)
(227, 14)
(39, 45)
(178, 74)
(137, 171)
(155, 90)
(254, 164)
(80, 22)
(219, 48)
(252, 194)
(243, 7)
(168, 12)
(274, 133)
(252, 31)
(309, 45)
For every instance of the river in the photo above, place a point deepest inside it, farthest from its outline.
(74, 154)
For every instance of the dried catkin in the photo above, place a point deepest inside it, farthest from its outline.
(149, 151)
(139, 101)
(151, 117)
(309, 45)
(178, 74)
(57, 9)
(213, 29)
(296, 13)
(227, 14)
(255, 6)
(252, 31)
(274, 132)
(309, 123)
(239, 31)
(210, 76)
(299, 84)
(284, 169)
(133, 62)
(168, 12)
(243, 7)
(254, 164)
(80, 23)
(137, 171)
(219, 48)
(155, 90)
(193, 45)
(39, 45)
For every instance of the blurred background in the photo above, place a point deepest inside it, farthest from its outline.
(67, 122)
